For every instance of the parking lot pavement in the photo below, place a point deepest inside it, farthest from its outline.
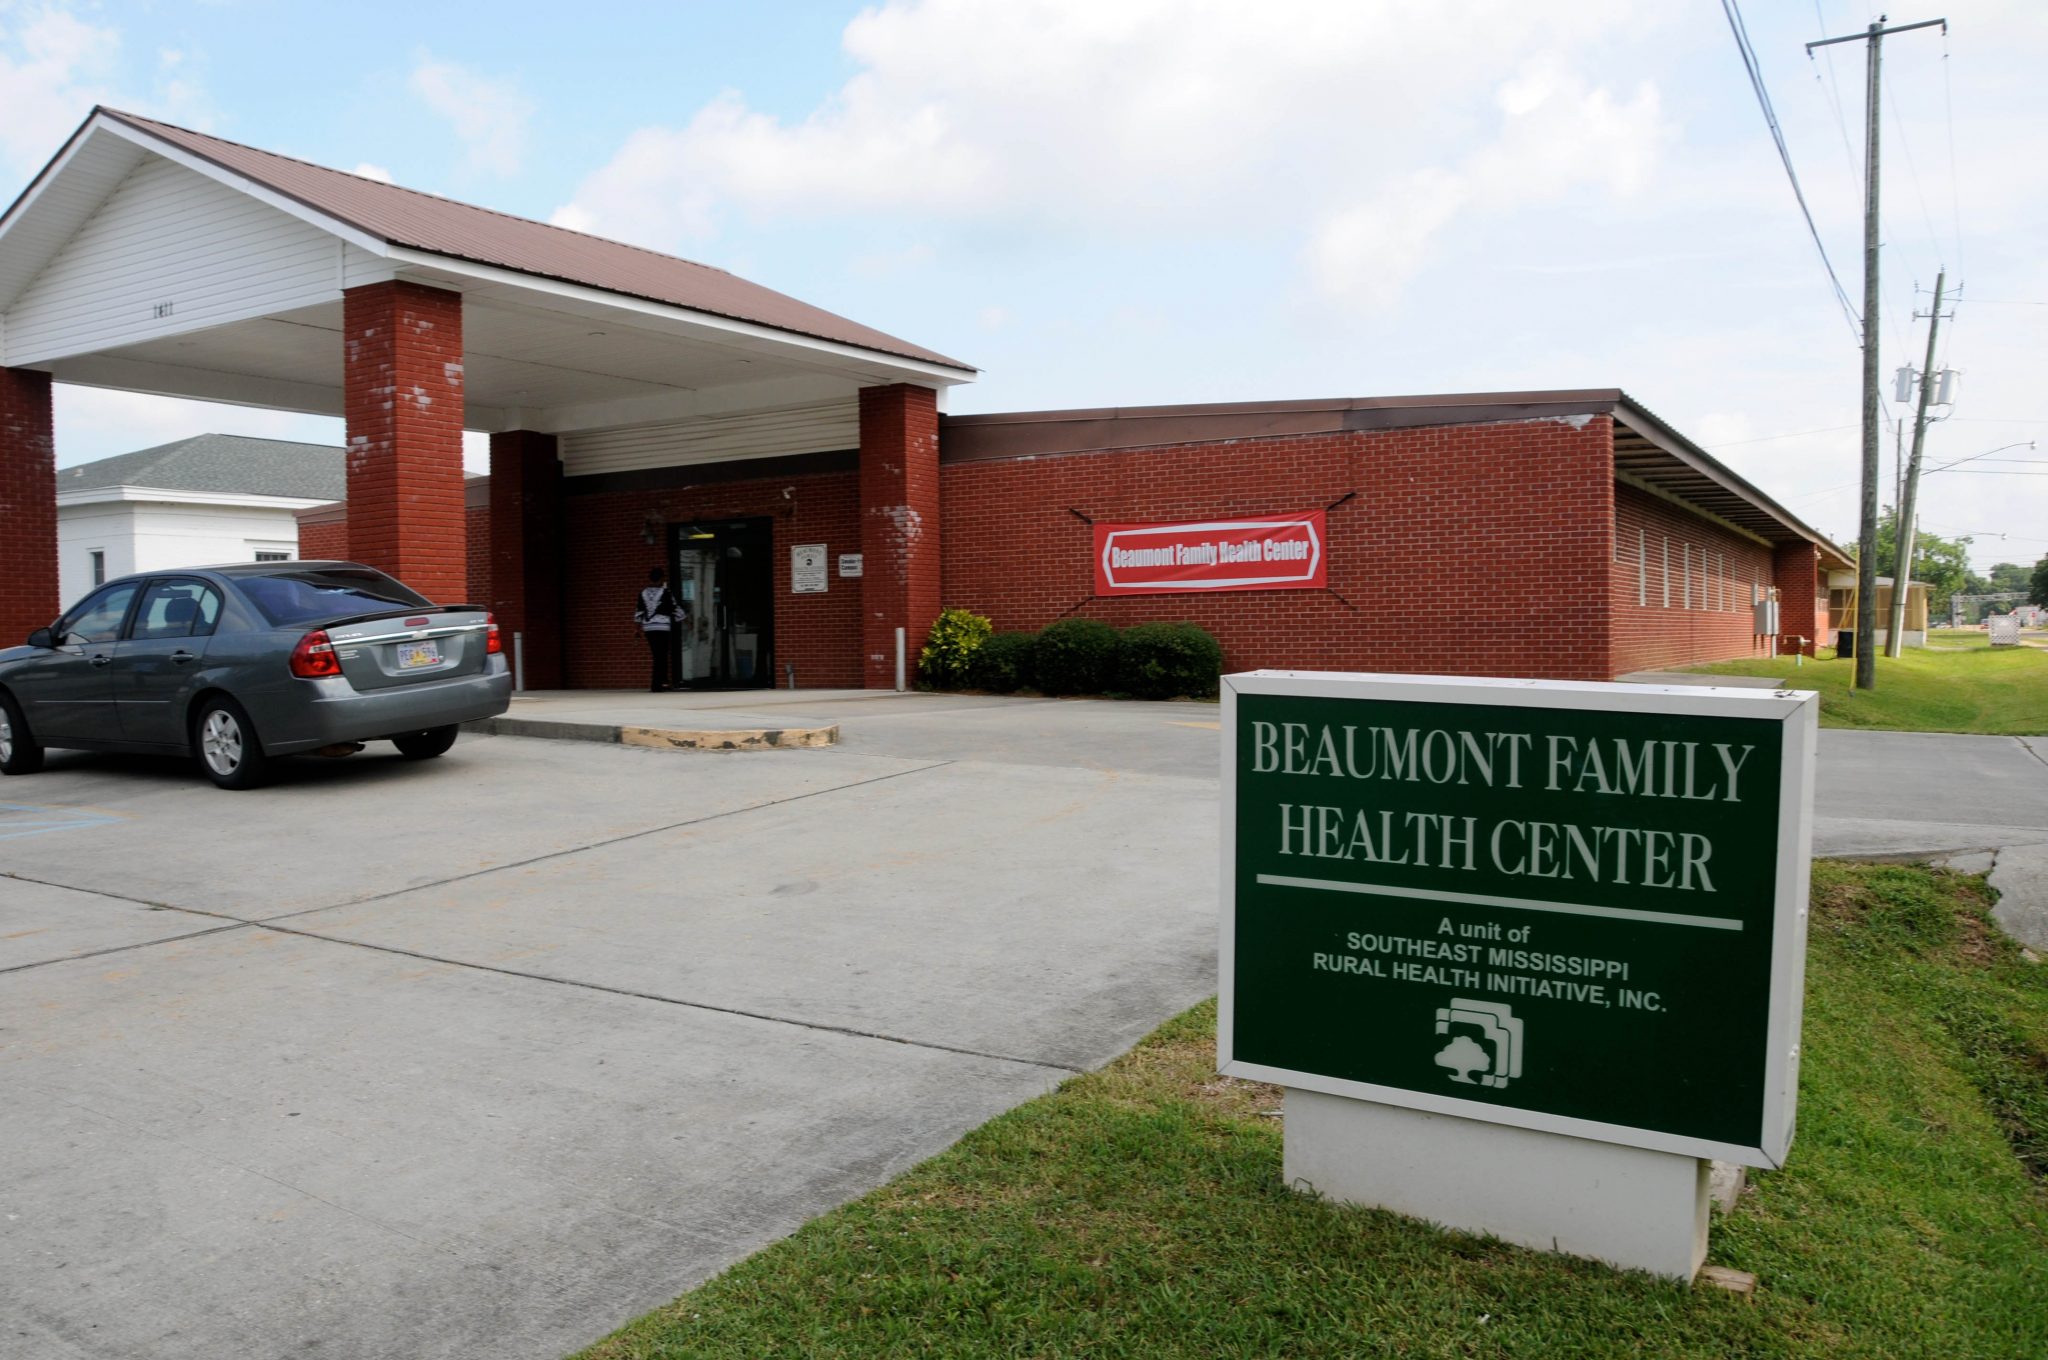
(488, 1054)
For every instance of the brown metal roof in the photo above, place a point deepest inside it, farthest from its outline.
(1645, 448)
(441, 226)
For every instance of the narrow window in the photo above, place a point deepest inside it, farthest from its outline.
(1642, 568)
(273, 557)
(1685, 566)
(1667, 572)
(99, 567)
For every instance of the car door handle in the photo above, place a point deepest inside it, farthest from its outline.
(181, 656)
(101, 660)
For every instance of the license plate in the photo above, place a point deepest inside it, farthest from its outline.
(413, 655)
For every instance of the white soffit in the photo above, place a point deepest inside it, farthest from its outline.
(820, 427)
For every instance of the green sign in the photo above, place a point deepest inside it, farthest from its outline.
(1571, 907)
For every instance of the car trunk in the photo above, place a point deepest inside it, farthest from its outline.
(410, 647)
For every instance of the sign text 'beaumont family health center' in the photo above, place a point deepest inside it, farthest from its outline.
(1577, 907)
(1259, 552)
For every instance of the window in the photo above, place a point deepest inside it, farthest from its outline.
(98, 617)
(1685, 582)
(1667, 573)
(99, 567)
(317, 594)
(273, 557)
(1642, 568)
(175, 609)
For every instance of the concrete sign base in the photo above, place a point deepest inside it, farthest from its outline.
(1627, 1206)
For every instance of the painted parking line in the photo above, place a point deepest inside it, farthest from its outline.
(1206, 726)
(29, 819)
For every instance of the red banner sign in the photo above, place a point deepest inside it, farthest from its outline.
(1264, 552)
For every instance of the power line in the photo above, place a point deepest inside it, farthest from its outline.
(1789, 434)
(1763, 99)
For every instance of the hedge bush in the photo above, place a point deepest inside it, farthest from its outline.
(1076, 656)
(1168, 661)
(947, 658)
(1002, 665)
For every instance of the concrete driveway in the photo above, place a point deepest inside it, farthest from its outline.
(487, 1055)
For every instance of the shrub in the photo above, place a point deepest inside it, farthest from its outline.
(1075, 656)
(1002, 665)
(947, 659)
(1168, 660)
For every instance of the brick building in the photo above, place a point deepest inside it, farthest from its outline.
(793, 471)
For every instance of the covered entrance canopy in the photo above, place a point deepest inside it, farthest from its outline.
(154, 259)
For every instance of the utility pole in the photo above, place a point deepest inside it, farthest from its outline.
(1866, 548)
(1905, 528)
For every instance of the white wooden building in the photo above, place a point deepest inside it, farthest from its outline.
(212, 498)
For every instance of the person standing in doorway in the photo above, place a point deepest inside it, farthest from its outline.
(657, 613)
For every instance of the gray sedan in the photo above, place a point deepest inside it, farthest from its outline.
(242, 664)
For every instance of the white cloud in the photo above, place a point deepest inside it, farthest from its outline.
(1557, 136)
(1210, 118)
(53, 68)
(488, 116)
(375, 172)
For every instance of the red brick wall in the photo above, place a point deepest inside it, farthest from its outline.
(323, 534)
(402, 360)
(28, 506)
(607, 557)
(1802, 607)
(900, 512)
(1705, 620)
(1470, 550)
(477, 554)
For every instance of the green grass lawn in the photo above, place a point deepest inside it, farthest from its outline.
(2003, 692)
(1138, 1211)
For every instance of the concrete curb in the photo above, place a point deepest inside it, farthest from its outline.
(728, 739)
(661, 738)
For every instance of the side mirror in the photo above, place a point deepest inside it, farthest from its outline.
(41, 638)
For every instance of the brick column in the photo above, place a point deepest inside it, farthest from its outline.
(403, 356)
(899, 525)
(1795, 570)
(28, 506)
(526, 550)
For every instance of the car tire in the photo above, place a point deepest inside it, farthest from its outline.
(226, 746)
(20, 752)
(428, 744)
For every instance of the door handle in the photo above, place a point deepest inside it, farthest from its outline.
(101, 659)
(181, 656)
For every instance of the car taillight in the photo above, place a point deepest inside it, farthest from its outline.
(314, 656)
(492, 647)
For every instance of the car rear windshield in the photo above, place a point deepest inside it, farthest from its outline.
(317, 596)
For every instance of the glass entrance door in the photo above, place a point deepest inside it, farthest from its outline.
(725, 578)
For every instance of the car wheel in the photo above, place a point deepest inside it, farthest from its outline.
(20, 752)
(425, 745)
(225, 741)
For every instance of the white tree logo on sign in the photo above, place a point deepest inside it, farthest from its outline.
(1490, 1060)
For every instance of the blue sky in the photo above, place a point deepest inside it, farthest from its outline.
(1141, 201)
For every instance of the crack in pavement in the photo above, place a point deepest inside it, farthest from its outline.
(270, 923)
